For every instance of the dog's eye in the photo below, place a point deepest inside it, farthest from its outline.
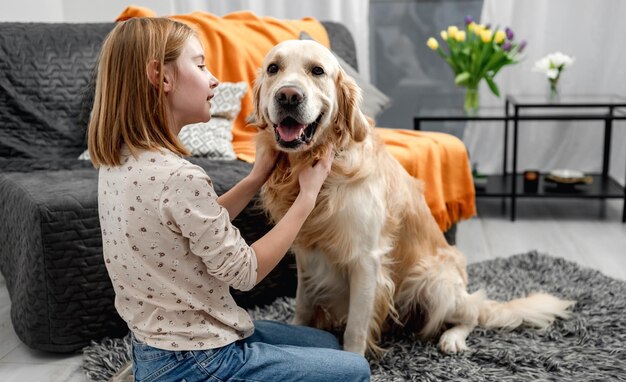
(318, 71)
(272, 68)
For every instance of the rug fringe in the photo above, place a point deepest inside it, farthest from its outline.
(101, 360)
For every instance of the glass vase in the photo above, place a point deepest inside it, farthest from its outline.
(471, 104)
(553, 92)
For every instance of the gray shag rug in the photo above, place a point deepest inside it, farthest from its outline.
(590, 346)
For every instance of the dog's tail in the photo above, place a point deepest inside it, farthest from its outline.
(538, 310)
(436, 287)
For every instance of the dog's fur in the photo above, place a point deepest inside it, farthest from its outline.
(370, 255)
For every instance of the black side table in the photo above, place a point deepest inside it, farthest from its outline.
(518, 108)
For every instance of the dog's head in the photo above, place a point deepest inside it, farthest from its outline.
(304, 98)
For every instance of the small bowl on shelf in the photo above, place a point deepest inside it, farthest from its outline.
(565, 180)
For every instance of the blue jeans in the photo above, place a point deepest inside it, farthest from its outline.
(275, 352)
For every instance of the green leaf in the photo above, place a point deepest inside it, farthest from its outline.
(494, 63)
(462, 79)
(441, 53)
(492, 86)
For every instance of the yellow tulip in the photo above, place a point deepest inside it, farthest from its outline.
(486, 35)
(452, 31)
(432, 43)
(460, 36)
(444, 35)
(478, 29)
(471, 26)
(499, 37)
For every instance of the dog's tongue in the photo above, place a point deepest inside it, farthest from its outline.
(290, 132)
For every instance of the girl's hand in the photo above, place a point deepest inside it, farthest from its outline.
(312, 178)
(264, 163)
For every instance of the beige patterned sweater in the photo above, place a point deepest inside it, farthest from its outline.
(172, 253)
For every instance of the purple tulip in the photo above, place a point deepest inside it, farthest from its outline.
(488, 26)
(522, 45)
(468, 20)
(506, 46)
(509, 33)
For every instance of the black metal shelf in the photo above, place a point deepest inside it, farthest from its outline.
(520, 108)
(600, 188)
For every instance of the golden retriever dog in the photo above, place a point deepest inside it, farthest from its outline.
(370, 255)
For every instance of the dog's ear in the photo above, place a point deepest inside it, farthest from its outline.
(256, 117)
(350, 116)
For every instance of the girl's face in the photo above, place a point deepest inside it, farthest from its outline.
(189, 95)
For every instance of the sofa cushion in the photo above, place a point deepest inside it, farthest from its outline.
(213, 139)
(341, 42)
(227, 100)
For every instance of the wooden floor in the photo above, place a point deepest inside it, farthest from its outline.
(587, 232)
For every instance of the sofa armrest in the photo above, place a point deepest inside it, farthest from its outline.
(52, 261)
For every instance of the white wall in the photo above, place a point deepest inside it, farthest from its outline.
(73, 10)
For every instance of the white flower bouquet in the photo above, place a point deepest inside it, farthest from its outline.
(552, 66)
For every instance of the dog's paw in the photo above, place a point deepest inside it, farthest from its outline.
(452, 342)
(354, 348)
(354, 342)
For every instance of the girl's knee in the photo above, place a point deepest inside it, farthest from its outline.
(328, 340)
(358, 368)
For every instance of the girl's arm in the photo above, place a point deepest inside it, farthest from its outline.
(238, 197)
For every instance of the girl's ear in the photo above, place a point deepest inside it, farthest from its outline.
(159, 78)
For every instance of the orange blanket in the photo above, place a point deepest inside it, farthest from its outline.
(235, 47)
(441, 161)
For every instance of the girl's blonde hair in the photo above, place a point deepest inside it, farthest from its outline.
(128, 108)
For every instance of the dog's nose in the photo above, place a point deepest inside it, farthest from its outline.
(289, 96)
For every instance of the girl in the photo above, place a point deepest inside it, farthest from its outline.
(168, 243)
